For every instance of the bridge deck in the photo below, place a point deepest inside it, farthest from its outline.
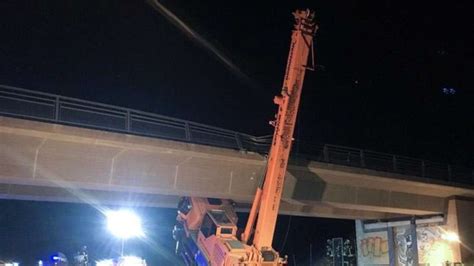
(47, 107)
(47, 161)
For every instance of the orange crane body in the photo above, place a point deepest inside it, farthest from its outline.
(288, 103)
(206, 230)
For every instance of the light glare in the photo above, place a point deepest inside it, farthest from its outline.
(132, 261)
(439, 253)
(122, 261)
(451, 236)
(104, 263)
(124, 224)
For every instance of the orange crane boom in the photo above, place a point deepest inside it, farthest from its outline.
(205, 231)
(288, 102)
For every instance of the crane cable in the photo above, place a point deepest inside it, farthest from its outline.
(286, 234)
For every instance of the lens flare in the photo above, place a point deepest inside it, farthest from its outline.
(440, 253)
(451, 236)
(124, 224)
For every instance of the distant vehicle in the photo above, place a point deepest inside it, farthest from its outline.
(55, 259)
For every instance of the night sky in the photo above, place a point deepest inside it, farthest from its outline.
(382, 67)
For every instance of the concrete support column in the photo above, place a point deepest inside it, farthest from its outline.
(403, 246)
(460, 221)
(372, 246)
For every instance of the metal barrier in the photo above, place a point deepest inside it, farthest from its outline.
(48, 107)
(397, 164)
(65, 110)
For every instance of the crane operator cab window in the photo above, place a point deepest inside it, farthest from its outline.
(217, 223)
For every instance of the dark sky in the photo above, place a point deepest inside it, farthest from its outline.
(384, 65)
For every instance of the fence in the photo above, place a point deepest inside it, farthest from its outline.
(48, 107)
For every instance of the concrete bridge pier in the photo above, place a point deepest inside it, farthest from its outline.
(460, 219)
(422, 240)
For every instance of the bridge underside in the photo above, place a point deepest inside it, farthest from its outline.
(50, 162)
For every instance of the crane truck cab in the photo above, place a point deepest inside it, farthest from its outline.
(206, 234)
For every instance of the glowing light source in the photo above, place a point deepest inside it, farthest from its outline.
(440, 253)
(132, 261)
(124, 224)
(104, 263)
(449, 91)
(451, 236)
(122, 261)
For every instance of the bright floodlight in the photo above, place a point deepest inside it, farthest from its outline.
(451, 236)
(124, 224)
(104, 263)
(123, 261)
(132, 261)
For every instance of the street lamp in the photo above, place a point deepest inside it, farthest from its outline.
(124, 224)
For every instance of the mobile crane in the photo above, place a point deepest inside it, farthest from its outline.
(206, 229)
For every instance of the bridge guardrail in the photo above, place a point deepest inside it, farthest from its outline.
(24, 103)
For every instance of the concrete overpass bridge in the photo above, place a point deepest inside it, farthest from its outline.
(63, 149)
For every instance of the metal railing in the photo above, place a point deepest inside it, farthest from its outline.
(35, 105)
